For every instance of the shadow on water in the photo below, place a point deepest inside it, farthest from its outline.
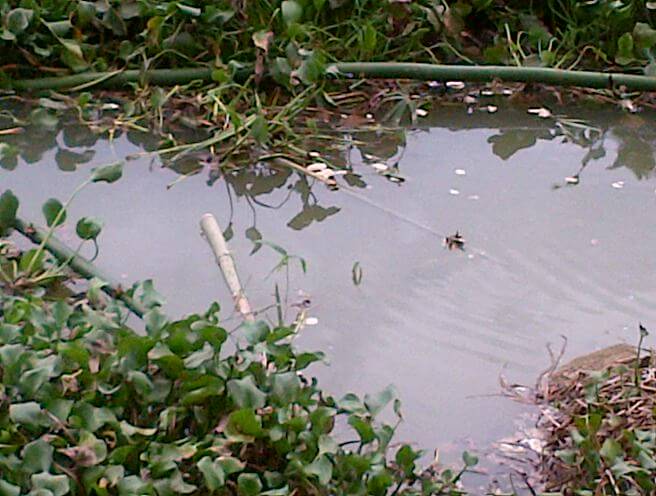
(556, 214)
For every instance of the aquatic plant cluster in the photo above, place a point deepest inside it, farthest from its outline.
(292, 39)
(92, 405)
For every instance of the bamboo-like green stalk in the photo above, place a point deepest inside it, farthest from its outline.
(79, 264)
(390, 70)
(486, 73)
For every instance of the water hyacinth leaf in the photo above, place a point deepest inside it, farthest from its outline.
(8, 156)
(8, 209)
(18, 20)
(28, 414)
(245, 393)
(54, 212)
(291, 11)
(249, 485)
(244, 422)
(469, 459)
(198, 358)
(321, 468)
(286, 387)
(37, 456)
(405, 459)
(375, 403)
(212, 473)
(644, 36)
(624, 53)
(58, 485)
(88, 228)
(255, 332)
(108, 173)
(7, 489)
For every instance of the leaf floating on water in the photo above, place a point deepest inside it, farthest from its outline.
(356, 273)
(618, 184)
(542, 112)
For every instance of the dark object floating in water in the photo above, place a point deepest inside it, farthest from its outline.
(455, 241)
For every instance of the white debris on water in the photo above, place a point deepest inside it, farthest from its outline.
(460, 172)
(455, 85)
(541, 112)
(454, 192)
(572, 180)
(379, 166)
(420, 112)
(311, 321)
(618, 184)
(316, 167)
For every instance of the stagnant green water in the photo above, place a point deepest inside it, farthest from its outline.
(543, 258)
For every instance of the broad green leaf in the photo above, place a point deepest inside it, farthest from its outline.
(8, 209)
(244, 422)
(611, 451)
(54, 212)
(37, 456)
(58, 485)
(644, 36)
(260, 130)
(286, 387)
(88, 228)
(249, 485)
(7, 489)
(212, 473)
(405, 459)
(199, 357)
(8, 156)
(375, 403)
(291, 11)
(624, 53)
(230, 465)
(108, 173)
(29, 414)
(189, 10)
(469, 459)
(255, 332)
(245, 393)
(19, 19)
(363, 428)
(322, 468)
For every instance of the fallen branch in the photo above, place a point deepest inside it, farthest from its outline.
(217, 242)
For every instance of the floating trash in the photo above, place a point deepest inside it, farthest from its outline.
(454, 192)
(314, 154)
(572, 179)
(491, 109)
(341, 172)
(379, 166)
(455, 85)
(487, 93)
(470, 99)
(618, 184)
(629, 105)
(433, 84)
(420, 112)
(311, 321)
(369, 116)
(541, 112)
(455, 241)
(506, 92)
(316, 167)
(473, 197)
(460, 172)
(325, 174)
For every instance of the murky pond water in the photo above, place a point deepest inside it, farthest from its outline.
(544, 258)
